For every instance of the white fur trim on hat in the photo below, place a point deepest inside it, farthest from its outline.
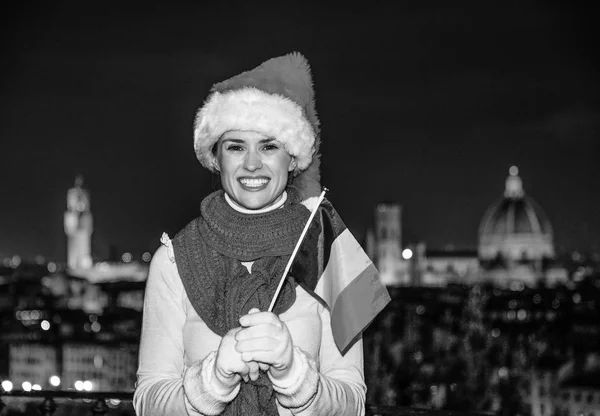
(251, 109)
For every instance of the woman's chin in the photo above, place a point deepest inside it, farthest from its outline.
(253, 201)
(255, 205)
(257, 199)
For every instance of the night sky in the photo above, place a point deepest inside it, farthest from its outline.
(424, 106)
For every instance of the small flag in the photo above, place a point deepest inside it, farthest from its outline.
(332, 265)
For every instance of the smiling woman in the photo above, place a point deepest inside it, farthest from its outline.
(254, 169)
(210, 343)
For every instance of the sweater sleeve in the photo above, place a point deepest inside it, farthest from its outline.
(336, 389)
(164, 385)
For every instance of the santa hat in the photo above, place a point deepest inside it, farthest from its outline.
(276, 99)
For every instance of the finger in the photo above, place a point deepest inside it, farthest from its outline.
(233, 331)
(265, 357)
(251, 311)
(260, 318)
(253, 372)
(258, 344)
(259, 331)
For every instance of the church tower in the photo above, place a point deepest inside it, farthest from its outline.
(388, 237)
(78, 227)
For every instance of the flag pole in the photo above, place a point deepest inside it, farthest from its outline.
(291, 260)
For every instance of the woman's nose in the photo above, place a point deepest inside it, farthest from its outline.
(253, 161)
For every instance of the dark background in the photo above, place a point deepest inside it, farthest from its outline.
(427, 104)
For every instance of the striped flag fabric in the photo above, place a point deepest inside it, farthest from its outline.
(332, 265)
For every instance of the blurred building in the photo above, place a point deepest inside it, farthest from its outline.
(32, 362)
(75, 346)
(79, 324)
(79, 226)
(515, 247)
(107, 367)
(440, 267)
(566, 388)
(384, 245)
(515, 227)
(516, 240)
(78, 223)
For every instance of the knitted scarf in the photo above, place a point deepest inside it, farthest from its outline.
(208, 254)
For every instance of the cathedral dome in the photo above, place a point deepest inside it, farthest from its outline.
(515, 227)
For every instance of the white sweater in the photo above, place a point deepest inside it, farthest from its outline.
(177, 352)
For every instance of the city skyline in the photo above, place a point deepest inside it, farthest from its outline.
(428, 108)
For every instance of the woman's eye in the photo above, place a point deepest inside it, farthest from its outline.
(234, 147)
(270, 146)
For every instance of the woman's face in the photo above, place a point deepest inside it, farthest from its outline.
(254, 168)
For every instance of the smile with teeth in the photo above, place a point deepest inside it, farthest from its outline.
(254, 182)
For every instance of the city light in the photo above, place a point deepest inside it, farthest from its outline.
(127, 257)
(7, 385)
(96, 326)
(36, 387)
(98, 361)
(26, 386)
(87, 385)
(45, 325)
(79, 385)
(55, 381)
(147, 257)
(16, 261)
(51, 267)
(407, 253)
(103, 266)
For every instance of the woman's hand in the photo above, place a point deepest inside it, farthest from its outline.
(266, 340)
(229, 366)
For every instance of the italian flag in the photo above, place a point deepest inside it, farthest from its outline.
(332, 265)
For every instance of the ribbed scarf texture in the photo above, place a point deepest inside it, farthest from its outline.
(208, 254)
